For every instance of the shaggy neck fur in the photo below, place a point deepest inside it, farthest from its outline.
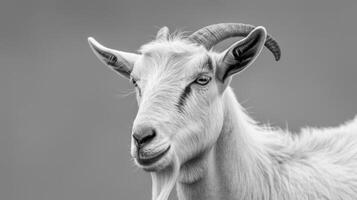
(235, 168)
(254, 163)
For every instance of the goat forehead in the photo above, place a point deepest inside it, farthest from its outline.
(170, 57)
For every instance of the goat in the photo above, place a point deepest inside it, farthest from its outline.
(190, 131)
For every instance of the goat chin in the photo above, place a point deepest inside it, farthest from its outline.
(164, 181)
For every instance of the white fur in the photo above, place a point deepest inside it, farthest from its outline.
(218, 151)
(251, 162)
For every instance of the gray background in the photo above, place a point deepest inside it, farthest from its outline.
(65, 118)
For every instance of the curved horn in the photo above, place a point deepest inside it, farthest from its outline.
(213, 34)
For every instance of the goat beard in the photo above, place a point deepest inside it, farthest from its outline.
(164, 181)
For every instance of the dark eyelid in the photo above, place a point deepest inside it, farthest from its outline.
(135, 82)
(196, 76)
(133, 79)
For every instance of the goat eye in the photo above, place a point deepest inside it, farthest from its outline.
(203, 80)
(134, 82)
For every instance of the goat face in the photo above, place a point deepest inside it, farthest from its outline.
(179, 103)
(179, 88)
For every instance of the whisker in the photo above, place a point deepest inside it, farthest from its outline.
(126, 93)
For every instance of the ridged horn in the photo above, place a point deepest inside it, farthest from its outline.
(213, 34)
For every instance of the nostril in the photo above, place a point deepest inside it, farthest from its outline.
(144, 136)
(148, 137)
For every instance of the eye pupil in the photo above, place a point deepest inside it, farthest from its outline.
(134, 82)
(203, 80)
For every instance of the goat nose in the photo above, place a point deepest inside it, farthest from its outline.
(143, 135)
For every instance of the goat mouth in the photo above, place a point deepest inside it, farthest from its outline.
(152, 159)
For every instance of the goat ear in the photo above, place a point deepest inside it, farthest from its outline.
(163, 33)
(121, 62)
(241, 54)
